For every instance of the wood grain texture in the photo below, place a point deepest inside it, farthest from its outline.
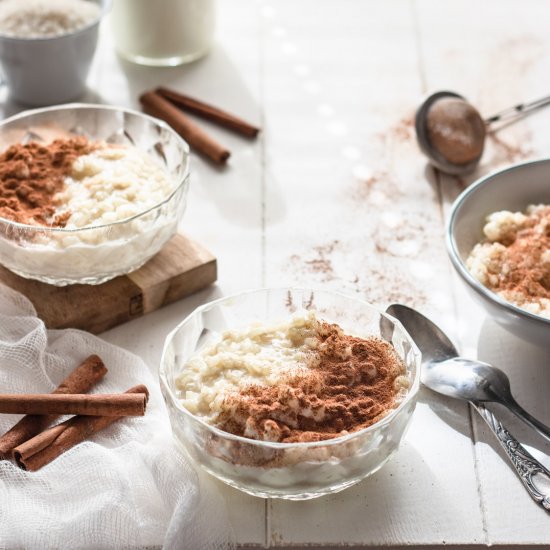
(179, 269)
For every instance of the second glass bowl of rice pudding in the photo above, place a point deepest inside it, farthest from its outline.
(87, 192)
(289, 393)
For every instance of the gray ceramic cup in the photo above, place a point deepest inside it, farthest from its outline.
(47, 71)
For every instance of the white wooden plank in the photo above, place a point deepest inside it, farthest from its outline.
(504, 65)
(224, 208)
(358, 208)
(505, 498)
(415, 499)
(360, 217)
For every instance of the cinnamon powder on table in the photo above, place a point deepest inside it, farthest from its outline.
(32, 174)
(350, 384)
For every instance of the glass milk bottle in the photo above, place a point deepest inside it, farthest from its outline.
(163, 32)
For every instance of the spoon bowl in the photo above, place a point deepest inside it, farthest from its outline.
(445, 372)
(465, 379)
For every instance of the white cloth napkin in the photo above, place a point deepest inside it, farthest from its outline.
(127, 487)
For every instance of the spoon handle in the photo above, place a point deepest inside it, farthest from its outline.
(522, 414)
(528, 468)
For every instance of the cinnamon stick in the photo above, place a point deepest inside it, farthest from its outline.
(80, 380)
(118, 404)
(209, 112)
(50, 444)
(197, 138)
(43, 439)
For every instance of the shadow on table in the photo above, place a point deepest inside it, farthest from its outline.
(11, 107)
(528, 368)
(453, 412)
(455, 184)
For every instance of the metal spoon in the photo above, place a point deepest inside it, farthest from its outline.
(477, 381)
(451, 132)
(445, 372)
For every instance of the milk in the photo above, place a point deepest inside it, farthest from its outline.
(163, 32)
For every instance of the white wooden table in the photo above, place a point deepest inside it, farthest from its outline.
(335, 194)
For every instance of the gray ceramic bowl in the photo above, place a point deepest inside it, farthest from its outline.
(510, 189)
(50, 70)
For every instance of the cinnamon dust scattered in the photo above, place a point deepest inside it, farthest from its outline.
(32, 174)
(401, 131)
(506, 152)
(322, 263)
(400, 288)
(350, 384)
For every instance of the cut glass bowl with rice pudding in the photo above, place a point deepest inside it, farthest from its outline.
(119, 202)
(267, 395)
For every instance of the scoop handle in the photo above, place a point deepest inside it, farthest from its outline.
(534, 476)
(518, 110)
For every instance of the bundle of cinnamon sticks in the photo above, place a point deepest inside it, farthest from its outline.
(33, 444)
(169, 105)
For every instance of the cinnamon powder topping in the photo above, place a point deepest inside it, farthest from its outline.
(515, 261)
(32, 174)
(528, 259)
(350, 384)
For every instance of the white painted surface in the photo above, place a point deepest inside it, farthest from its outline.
(335, 194)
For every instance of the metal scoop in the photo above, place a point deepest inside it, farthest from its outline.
(445, 372)
(451, 132)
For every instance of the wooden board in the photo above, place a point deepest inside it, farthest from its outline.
(179, 269)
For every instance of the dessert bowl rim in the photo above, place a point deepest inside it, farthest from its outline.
(452, 247)
(105, 7)
(387, 419)
(83, 106)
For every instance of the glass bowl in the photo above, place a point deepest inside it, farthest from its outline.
(293, 471)
(513, 188)
(95, 254)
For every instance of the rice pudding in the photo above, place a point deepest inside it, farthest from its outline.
(301, 380)
(45, 18)
(81, 204)
(514, 258)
